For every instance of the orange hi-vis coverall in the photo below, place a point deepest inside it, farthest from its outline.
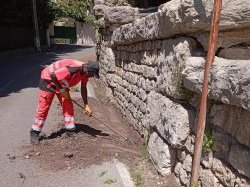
(68, 73)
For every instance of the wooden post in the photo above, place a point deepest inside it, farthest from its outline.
(203, 103)
(37, 37)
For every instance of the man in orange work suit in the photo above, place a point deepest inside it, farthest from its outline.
(56, 80)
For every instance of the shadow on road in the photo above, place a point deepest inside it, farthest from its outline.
(89, 130)
(23, 71)
(79, 128)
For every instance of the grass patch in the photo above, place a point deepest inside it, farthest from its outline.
(110, 181)
(144, 152)
(149, 129)
(125, 159)
(102, 173)
(138, 179)
(194, 185)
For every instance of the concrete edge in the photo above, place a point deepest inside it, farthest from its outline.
(124, 174)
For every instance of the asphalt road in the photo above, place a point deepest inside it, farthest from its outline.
(19, 78)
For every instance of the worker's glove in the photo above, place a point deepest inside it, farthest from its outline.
(87, 110)
(64, 93)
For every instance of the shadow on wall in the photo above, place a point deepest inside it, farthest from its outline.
(146, 3)
(20, 72)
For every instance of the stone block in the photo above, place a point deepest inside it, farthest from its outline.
(239, 157)
(189, 144)
(187, 163)
(183, 17)
(207, 159)
(170, 119)
(223, 173)
(120, 15)
(161, 154)
(149, 85)
(149, 58)
(184, 177)
(177, 169)
(226, 39)
(98, 2)
(235, 53)
(109, 60)
(233, 120)
(149, 72)
(222, 143)
(229, 80)
(99, 10)
(171, 63)
(141, 29)
(208, 179)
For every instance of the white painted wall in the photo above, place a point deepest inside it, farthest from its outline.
(85, 34)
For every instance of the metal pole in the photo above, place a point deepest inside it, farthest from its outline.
(203, 103)
(37, 38)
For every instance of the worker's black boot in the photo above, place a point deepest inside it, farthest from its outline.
(71, 132)
(34, 137)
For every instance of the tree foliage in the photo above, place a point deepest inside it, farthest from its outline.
(20, 13)
(46, 12)
(78, 9)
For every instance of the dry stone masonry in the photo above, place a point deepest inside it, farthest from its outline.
(153, 67)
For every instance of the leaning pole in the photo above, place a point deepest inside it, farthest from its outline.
(37, 37)
(213, 38)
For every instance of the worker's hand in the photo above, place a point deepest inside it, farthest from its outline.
(64, 93)
(87, 110)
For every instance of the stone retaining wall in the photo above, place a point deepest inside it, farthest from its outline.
(152, 68)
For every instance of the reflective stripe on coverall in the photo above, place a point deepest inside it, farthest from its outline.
(44, 103)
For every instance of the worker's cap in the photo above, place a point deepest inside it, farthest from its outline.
(93, 66)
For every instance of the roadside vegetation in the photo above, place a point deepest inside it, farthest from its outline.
(81, 10)
(208, 142)
(138, 179)
(19, 13)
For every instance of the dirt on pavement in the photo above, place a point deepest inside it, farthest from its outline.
(94, 143)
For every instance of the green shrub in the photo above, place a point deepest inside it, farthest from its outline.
(208, 142)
